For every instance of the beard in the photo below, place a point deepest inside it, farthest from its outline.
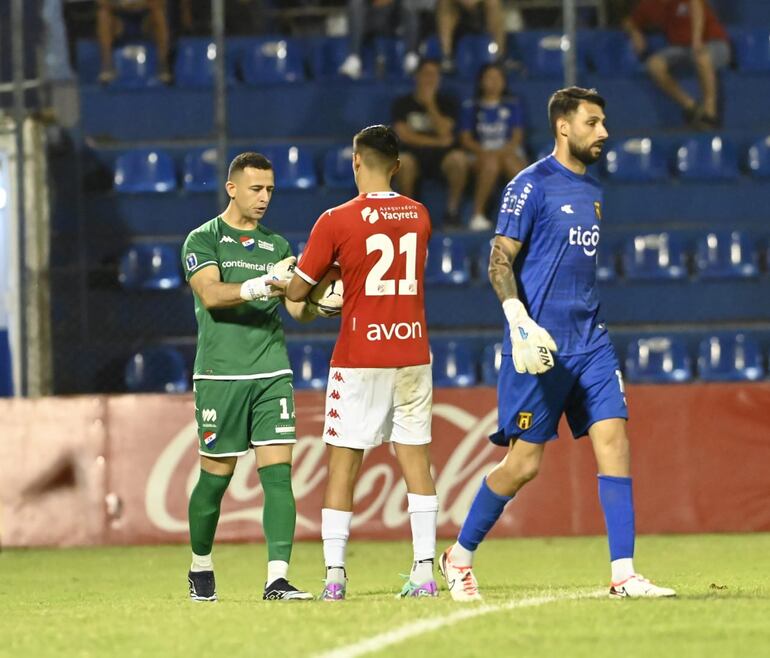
(584, 153)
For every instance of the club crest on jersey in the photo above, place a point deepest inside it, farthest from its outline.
(247, 242)
(598, 210)
(370, 215)
(210, 439)
(524, 420)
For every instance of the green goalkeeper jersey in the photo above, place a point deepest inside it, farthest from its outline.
(244, 341)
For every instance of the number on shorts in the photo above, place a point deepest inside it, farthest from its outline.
(376, 285)
(284, 409)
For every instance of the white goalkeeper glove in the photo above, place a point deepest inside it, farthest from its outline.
(283, 270)
(256, 289)
(532, 346)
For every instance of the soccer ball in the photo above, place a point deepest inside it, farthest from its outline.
(326, 296)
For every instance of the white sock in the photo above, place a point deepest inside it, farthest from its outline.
(461, 556)
(421, 572)
(276, 569)
(423, 511)
(335, 530)
(335, 575)
(622, 569)
(201, 563)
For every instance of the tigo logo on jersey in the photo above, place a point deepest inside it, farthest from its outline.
(524, 420)
(226, 238)
(192, 261)
(589, 240)
(247, 242)
(209, 439)
(370, 215)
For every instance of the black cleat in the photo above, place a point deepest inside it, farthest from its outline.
(282, 589)
(202, 586)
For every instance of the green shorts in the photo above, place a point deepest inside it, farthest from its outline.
(236, 414)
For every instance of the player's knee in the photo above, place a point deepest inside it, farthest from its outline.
(656, 65)
(520, 471)
(455, 162)
(490, 163)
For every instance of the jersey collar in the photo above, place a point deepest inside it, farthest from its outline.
(381, 195)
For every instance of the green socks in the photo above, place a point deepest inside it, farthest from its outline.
(280, 512)
(203, 512)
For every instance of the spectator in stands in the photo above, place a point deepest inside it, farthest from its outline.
(370, 17)
(115, 18)
(694, 37)
(425, 122)
(467, 14)
(492, 130)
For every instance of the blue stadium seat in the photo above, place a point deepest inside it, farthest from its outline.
(654, 256)
(293, 166)
(491, 359)
(150, 267)
(610, 53)
(482, 263)
(310, 363)
(448, 261)
(751, 49)
(157, 370)
(661, 359)
(726, 255)
(431, 48)
(196, 61)
(338, 169)
(144, 170)
(635, 160)
(542, 53)
(758, 162)
(606, 270)
(707, 157)
(384, 58)
(453, 364)
(136, 66)
(730, 358)
(272, 60)
(326, 55)
(200, 171)
(472, 52)
(88, 61)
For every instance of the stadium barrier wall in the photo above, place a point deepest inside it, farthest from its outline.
(119, 469)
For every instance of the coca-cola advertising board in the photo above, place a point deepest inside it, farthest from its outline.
(119, 469)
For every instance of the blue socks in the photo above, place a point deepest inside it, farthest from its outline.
(618, 505)
(486, 508)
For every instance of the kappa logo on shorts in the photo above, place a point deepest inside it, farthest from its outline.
(333, 413)
(337, 376)
(524, 420)
(335, 395)
(331, 432)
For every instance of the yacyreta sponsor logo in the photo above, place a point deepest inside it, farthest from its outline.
(396, 330)
(589, 240)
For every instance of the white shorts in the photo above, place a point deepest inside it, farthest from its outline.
(369, 406)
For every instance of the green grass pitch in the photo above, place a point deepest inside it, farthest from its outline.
(125, 602)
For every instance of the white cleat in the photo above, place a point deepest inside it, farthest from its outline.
(638, 587)
(460, 581)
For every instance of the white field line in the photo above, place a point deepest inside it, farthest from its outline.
(408, 631)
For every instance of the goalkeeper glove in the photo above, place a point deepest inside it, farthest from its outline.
(532, 346)
(256, 289)
(283, 270)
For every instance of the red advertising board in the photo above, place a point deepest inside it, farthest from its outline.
(119, 469)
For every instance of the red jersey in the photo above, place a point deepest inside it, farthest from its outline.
(673, 18)
(380, 241)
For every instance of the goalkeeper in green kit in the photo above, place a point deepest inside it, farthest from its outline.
(244, 398)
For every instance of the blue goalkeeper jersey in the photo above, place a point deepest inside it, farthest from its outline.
(556, 215)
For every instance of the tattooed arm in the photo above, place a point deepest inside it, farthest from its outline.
(504, 252)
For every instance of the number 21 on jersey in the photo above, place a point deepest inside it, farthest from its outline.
(376, 285)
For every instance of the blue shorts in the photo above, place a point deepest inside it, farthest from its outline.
(587, 387)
